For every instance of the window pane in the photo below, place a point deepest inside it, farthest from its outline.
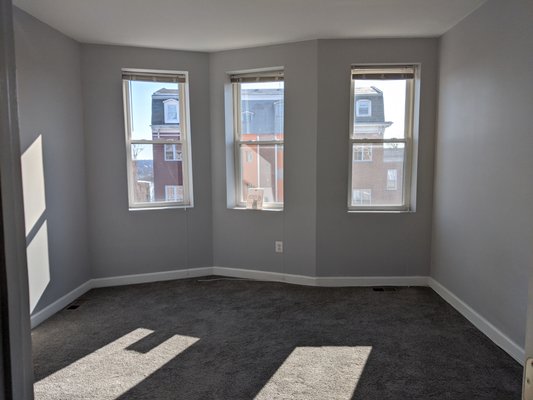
(262, 111)
(154, 177)
(262, 167)
(379, 109)
(154, 110)
(379, 182)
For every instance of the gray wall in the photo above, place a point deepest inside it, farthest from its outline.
(245, 238)
(370, 244)
(131, 242)
(483, 223)
(315, 219)
(50, 105)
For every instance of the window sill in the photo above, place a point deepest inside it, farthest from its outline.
(381, 212)
(252, 209)
(160, 208)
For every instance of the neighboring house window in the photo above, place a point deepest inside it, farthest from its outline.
(249, 156)
(172, 115)
(362, 153)
(246, 120)
(157, 131)
(172, 153)
(362, 196)
(258, 124)
(386, 140)
(392, 179)
(363, 108)
(174, 193)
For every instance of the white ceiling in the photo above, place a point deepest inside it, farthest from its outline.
(211, 25)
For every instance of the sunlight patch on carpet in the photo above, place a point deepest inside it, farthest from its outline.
(113, 367)
(319, 373)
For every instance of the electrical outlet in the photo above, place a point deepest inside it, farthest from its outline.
(528, 380)
(279, 246)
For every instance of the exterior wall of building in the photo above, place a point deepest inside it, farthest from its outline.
(166, 172)
(375, 171)
(372, 163)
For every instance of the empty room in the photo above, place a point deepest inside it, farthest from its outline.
(245, 200)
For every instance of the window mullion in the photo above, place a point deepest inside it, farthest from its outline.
(378, 141)
(147, 142)
(260, 142)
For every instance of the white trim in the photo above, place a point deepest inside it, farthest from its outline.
(325, 281)
(151, 277)
(493, 333)
(59, 304)
(264, 275)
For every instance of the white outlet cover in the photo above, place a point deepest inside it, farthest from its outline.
(528, 380)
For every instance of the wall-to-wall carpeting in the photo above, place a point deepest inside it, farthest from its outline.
(235, 339)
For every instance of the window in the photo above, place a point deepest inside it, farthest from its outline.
(172, 153)
(387, 94)
(363, 108)
(173, 193)
(171, 111)
(258, 117)
(362, 196)
(362, 153)
(392, 179)
(156, 120)
(249, 156)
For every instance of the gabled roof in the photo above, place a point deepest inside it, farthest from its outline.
(372, 90)
(166, 92)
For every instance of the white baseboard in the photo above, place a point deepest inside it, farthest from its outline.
(151, 277)
(59, 304)
(331, 281)
(365, 281)
(468, 312)
(479, 322)
(264, 275)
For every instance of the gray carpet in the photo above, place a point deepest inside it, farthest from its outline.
(233, 340)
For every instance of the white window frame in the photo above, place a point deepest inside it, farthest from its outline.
(264, 76)
(392, 172)
(411, 113)
(166, 105)
(358, 111)
(181, 77)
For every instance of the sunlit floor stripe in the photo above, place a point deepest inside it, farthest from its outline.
(113, 368)
(317, 372)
